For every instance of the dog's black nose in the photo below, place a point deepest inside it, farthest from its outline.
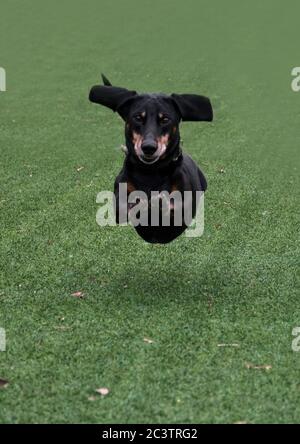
(149, 148)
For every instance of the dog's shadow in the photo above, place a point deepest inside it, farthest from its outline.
(154, 272)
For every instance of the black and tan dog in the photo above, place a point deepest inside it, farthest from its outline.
(154, 160)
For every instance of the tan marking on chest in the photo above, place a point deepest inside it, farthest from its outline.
(130, 187)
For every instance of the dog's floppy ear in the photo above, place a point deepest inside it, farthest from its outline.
(193, 108)
(113, 97)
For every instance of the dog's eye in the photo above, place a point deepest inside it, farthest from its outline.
(138, 118)
(164, 120)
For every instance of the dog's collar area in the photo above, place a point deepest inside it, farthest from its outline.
(124, 149)
(177, 155)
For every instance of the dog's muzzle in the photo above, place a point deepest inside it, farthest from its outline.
(149, 151)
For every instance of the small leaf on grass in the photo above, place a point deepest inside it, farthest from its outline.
(3, 383)
(103, 391)
(92, 398)
(78, 169)
(222, 170)
(78, 294)
(248, 365)
(210, 303)
(148, 340)
(234, 344)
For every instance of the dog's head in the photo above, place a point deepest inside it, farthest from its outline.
(151, 120)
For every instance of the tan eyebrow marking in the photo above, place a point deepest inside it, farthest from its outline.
(143, 114)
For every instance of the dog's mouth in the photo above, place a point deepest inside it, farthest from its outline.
(148, 159)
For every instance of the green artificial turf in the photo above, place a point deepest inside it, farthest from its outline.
(237, 284)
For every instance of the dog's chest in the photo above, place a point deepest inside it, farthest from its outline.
(153, 183)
